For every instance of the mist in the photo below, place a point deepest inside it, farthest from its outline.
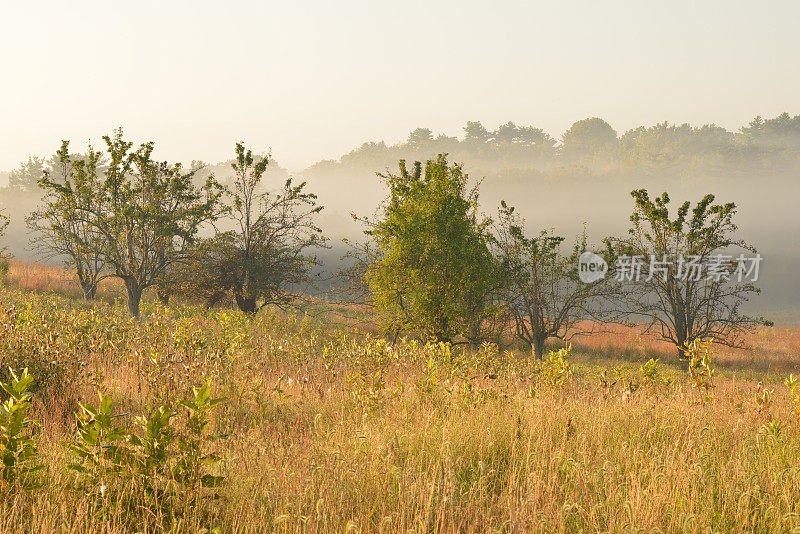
(560, 182)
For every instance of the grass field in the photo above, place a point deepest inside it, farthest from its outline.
(327, 428)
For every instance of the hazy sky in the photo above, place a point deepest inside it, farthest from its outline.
(316, 79)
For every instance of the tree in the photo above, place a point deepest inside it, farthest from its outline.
(668, 142)
(588, 136)
(476, 134)
(60, 228)
(145, 214)
(662, 263)
(542, 291)
(432, 270)
(420, 138)
(268, 255)
(26, 178)
(524, 139)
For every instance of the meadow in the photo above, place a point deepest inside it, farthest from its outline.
(313, 423)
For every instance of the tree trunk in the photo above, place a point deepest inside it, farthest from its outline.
(681, 345)
(88, 285)
(163, 295)
(134, 297)
(89, 290)
(538, 347)
(246, 304)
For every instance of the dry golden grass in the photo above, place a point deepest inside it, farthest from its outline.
(332, 430)
(774, 348)
(46, 278)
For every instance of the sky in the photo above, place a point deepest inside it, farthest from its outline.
(312, 80)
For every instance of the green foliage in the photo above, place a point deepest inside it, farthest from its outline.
(701, 371)
(27, 176)
(100, 449)
(368, 390)
(650, 370)
(18, 452)
(60, 226)
(148, 464)
(684, 306)
(668, 143)
(593, 143)
(193, 469)
(433, 272)
(652, 378)
(141, 218)
(539, 284)
(555, 370)
(588, 136)
(794, 390)
(28, 340)
(782, 131)
(267, 256)
(4, 257)
(155, 464)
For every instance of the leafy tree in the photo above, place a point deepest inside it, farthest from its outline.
(783, 130)
(506, 134)
(420, 138)
(542, 291)
(529, 140)
(144, 213)
(60, 227)
(664, 259)
(432, 270)
(268, 254)
(27, 177)
(587, 137)
(476, 134)
(666, 142)
(529, 136)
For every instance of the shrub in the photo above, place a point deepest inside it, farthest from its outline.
(701, 372)
(155, 465)
(555, 369)
(18, 451)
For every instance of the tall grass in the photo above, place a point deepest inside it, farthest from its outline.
(328, 429)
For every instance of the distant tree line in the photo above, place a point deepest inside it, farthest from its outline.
(587, 142)
(591, 141)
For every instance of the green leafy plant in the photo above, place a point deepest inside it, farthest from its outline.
(99, 447)
(431, 271)
(763, 398)
(194, 468)
(156, 465)
(555, 369)
(18, 451)
(794, 388)
(368, 390)
(701, 371)
(650, 370)
(651, 374)
(148, 464)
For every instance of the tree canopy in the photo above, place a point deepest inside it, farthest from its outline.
(433, 269)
